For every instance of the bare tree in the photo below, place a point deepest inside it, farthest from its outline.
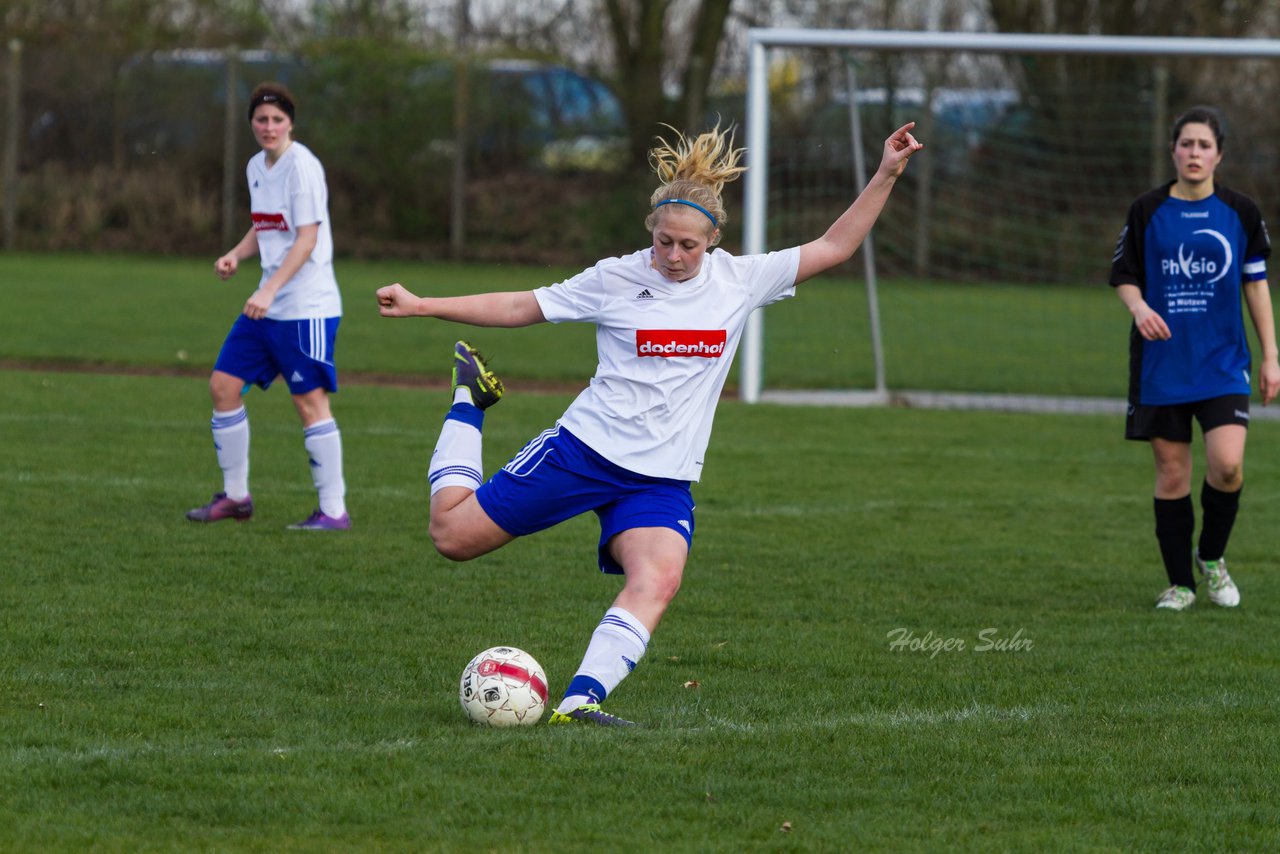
(647, 41)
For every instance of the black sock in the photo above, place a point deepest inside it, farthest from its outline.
(1219, 511)
(1175, 524)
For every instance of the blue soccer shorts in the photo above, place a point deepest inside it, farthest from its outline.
(557, 477)
(301, 351)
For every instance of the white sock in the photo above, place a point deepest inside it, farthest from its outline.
(457, 460)
(323, 442)
(616, 647)
(231, 444)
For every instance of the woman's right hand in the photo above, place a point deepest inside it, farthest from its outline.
(1151, 325)
(396, 301)
(226, 266)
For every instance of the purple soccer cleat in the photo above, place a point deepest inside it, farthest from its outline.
(222, 507)
(589, 713)
(317, 521)
(471, 370)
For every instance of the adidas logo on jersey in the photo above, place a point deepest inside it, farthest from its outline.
(644, 294)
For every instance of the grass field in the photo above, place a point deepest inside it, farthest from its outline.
(165, 686)
(172, 314)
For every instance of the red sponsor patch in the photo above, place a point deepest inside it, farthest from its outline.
(489, 667)
(671, 343)
(269, 222)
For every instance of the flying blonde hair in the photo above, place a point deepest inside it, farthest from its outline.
(693, 172)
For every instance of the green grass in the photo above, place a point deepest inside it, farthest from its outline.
(166, 686)
(241, 687)
(173, 313)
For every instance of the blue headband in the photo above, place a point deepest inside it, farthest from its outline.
(693, 205)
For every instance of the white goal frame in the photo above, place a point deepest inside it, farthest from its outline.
(760, 41)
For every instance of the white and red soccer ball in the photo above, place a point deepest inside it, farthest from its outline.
(503, 686)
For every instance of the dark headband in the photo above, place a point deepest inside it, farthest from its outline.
(276, 98)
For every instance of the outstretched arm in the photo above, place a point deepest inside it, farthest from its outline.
(508, 309)
(847, 233)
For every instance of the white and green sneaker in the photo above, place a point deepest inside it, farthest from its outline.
(1176, 598)
(1222, 590)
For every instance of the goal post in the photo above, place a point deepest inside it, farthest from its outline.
(762, 48)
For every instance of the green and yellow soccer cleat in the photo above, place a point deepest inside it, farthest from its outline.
(589, 714)
(470, 370)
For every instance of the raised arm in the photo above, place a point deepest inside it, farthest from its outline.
(847, 233)
(507, 308)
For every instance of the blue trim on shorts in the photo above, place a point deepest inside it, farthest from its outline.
(557, 476)
(301, 351)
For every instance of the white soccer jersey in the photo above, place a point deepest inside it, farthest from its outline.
(289, 194)
(664, 351)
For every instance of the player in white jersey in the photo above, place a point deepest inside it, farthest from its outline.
(289, 325)
(668, 321)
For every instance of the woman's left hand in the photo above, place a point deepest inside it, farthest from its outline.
(256, 306)
(1268, 380)
(898, 149)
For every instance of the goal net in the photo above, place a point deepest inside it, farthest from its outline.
(984, 281)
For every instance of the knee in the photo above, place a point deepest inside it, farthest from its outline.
(660, 583)
(449, 541)
(1173, 477)
(224, 392)
(669, 585)
(446, 542)
(1230, 477)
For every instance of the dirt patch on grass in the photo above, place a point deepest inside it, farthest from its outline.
(344, 377)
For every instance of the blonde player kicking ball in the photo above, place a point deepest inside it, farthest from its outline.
(668, 320)
(289, 325)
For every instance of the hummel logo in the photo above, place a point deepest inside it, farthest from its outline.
(296, 378)
(644, 294)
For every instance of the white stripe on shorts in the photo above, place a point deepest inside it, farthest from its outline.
(523, 463)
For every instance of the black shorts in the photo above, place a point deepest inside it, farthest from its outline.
(1173, 422)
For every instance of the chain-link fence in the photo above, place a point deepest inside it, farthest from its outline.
(146, 152)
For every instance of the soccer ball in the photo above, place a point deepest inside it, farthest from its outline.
(503, 686)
